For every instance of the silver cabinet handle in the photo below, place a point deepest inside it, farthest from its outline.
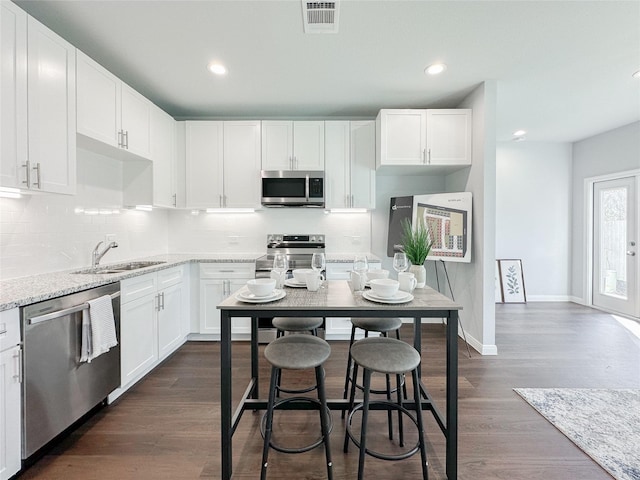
(126, 139)
(162, 300)
(119, 138)
(175, 199)
(429, 156)
(38, 181)
(424, 155)
(18, 361)
(27, 166)
(631, 253)
(158, 303)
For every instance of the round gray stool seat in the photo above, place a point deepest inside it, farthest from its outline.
(377, 324)
(385, 355)
(297, 324)
(297, 352)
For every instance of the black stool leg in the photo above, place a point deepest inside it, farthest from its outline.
(324, 422)
(423, 448)
(349, 365)
(352, 398)
(269, 425)
(399, 395)
(363, 428)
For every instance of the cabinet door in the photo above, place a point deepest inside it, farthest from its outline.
(401, 137)
(449, 137)
(204, 168)
(136, 122)
(308, 145)
(163, 155)
(170, 334)
(138, 337)
(211, 294)
(98, 98)
(242, 164)
(51, 75)
(10, 413)
(363, 164)
(277, 145)
(337, 164)
(240, 325)
(13, 95)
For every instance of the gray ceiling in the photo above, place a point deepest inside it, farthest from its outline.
(563, 68)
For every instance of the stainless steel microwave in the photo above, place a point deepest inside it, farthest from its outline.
(292, 188)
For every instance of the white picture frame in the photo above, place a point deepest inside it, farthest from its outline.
(512, 281)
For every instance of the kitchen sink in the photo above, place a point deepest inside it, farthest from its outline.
(125, 267)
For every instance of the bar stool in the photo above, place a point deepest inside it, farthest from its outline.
(383, 326)
(295, 325)
(297, 352)
(391, 357)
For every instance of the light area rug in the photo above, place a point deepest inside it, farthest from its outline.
(605, 424)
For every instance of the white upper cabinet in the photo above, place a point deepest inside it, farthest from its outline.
(13, 96)
(204, 168)
(111, 112)
(38, 128)
(350, 164)
(449, 137)
(241, 165)
(434, 137)
(222, 164)
(163, 155)
(288, 145)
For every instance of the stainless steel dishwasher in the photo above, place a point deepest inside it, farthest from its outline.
(58, 389)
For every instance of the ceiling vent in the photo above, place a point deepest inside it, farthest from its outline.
(320, 17)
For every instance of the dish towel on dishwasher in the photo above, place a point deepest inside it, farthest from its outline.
(98, 329)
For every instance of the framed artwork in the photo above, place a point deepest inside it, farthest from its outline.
(499, 297)
(512, 281)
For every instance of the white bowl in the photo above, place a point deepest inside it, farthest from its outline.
(261, 287)
(300, 274)
(374, 274)
(384, 287)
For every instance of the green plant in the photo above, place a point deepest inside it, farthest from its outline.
(416, 242)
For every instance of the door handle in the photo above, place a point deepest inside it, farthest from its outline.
(631, 253)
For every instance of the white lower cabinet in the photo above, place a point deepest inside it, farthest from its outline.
(217, 282)
(151, 311)
(339, 328)
(10, 394)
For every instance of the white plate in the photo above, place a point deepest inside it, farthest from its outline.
(399, 297)
(251, 298)
(290, 282)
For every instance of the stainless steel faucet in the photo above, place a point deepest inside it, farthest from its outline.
(97, 254)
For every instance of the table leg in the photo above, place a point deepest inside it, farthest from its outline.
(417, 340)
(225, 394)
(254, 357)
(452, 395)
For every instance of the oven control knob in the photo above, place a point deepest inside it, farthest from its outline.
(313, 238)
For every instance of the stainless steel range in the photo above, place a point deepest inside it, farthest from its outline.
(299, 248)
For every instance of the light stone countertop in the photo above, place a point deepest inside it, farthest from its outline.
(22, 291)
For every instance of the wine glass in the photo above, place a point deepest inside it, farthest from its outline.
(360, 266)
(318, 263)
(400, 262)
(280, 266)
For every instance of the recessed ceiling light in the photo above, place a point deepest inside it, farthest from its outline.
(519, 133)
(217, 68)
(636, 74)
(435, 69)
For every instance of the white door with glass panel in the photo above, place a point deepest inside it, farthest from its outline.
(615, 245)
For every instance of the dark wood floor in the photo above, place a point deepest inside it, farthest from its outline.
(166, 427)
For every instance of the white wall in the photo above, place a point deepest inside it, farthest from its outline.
(533, 214)
(610, 152)
(247, 232)
(42, 233)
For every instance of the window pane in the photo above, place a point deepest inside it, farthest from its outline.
(613, 238)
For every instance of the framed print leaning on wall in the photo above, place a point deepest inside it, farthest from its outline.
(512, 280)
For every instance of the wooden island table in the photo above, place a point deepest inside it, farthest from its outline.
(337, 300)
